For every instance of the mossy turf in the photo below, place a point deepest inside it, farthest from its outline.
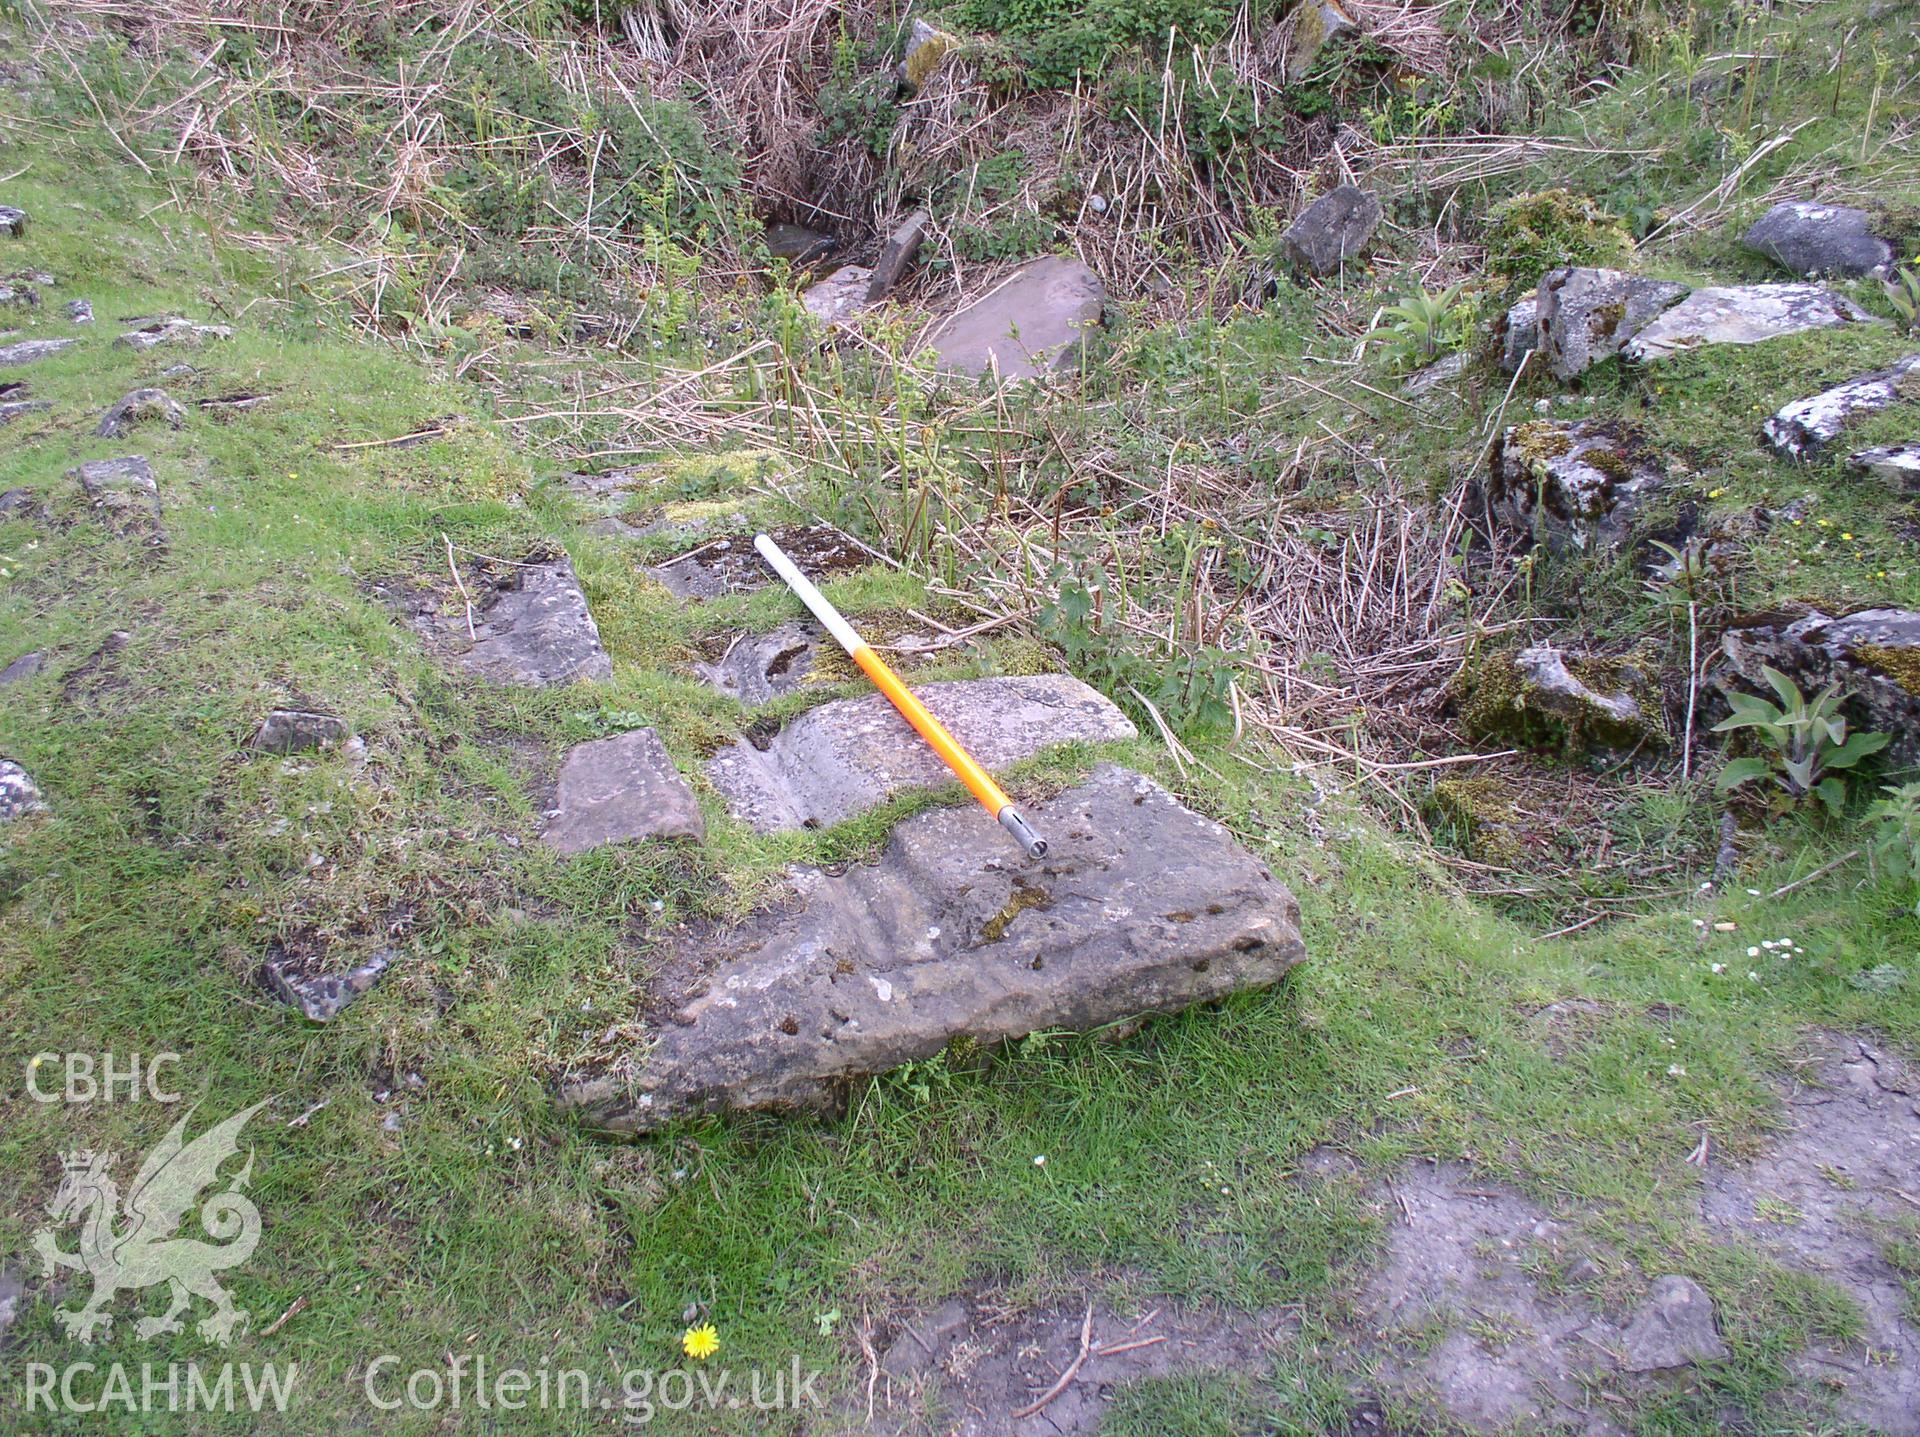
(134, 915)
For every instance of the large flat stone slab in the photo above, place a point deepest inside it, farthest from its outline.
(846, 756)
(1141, 906)
(1742, 314)
(537, 630)
(30, 351)
(1804, 428)
(619, 789)
(1031, 324)
(174, 330)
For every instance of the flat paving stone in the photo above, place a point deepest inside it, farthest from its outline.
(1031, 324)
(761, 667)
(1742, 314)
(125, 493)
(30, 351)
(536, 630)
(1141, 906)
(848, 755)
(731, 565)
(620, 789)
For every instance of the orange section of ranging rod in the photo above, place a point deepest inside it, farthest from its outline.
(978, 781)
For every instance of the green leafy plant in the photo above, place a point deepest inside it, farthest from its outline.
(1903, 290)
(1806, 738)
(1422, 327)
(1895, 845)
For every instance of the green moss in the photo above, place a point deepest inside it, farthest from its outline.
(1495, 700)
(1482, 812)
(1538, 442)
(1531, 234)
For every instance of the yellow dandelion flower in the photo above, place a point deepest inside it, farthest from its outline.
(700, 1342)
(1715, 493)
(1845, 535)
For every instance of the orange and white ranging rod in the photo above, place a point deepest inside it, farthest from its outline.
(978, 781)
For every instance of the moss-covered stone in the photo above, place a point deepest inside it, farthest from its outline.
(1899, 663)
(1531, 234)
(1541, 698)
(1483, 816)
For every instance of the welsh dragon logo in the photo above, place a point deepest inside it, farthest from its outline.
(129, 1246)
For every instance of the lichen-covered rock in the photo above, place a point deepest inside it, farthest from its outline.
(1587, 315)
(1543, 696)
(80, 311)
(32, 351)
(846, 756)
(1033, 324)
(171, 331)
(14, 221)
(138, 405)
(1140, 906)
(1894, 464)
(1874, 655)
(1571, 483)
(839, 296)
(1335, 228)
(619, 790)
(1816, 239)
(19, 794)
(1519, 332)
(1804, 428)
(1316, 24)
(125, 493)
(1742, 314)
(287, 731)
(13, 409)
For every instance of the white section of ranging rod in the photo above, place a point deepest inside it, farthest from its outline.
(815, 601)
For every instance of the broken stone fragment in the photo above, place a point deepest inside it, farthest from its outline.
(1673, 1328)
(1802, 429)
(322, 997)
(1316, 24)
(1587, 315)
(14, 291)
(125, 493)
(1816, 239)
(1894, 464)
(617, 790)
(1141, 906)
(171, 331)
(31, 351)
(839, 296)
(1742, 314)
(138, 405)
(926, 46)
(536, 630)
(1571, 483)
(19, 794)
(760, 667)
(16, 503)
(1335, 228)
(13, 221)
(797, 244)
(1034, 323)
(80, 311)
(836, 760)
(901, 247)
(1424, 381)
(299, 731)
(1874, 656)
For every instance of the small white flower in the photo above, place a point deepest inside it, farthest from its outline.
(1753, 953)
(1699, 923)
(1769, 945)
(1039, 1160)
(1754, 976)
(1707, 886)
(1719, 967)
(1674, 1070)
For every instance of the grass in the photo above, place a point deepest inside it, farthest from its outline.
(137, 911)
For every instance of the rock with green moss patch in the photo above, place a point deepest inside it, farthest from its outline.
(1484, 818)
(926, 48)
(1874, 655)
(1588, 315)
(1571, 484)
(1542, 696)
